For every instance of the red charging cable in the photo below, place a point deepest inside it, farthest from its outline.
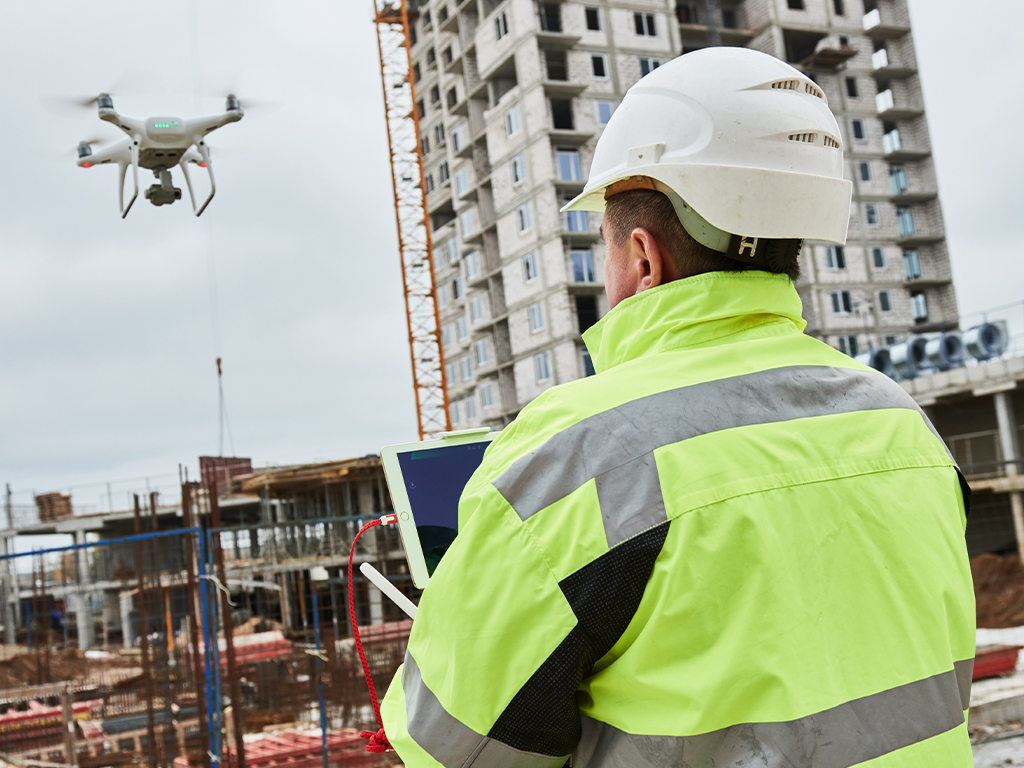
(378, 742)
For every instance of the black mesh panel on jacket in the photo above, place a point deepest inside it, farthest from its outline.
(605, 594)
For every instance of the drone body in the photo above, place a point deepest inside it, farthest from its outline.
(158, 144)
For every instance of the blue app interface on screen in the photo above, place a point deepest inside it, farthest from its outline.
(434, 481)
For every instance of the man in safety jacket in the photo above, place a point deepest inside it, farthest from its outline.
(734, 545)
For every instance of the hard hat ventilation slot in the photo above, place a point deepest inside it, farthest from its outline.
(830, 142)
(806, 138)
(789, 85)
(813, 90)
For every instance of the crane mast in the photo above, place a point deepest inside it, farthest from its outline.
(404, 145)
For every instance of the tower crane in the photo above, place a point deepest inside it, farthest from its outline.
(418, 280)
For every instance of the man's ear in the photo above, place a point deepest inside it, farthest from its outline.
(648, 260)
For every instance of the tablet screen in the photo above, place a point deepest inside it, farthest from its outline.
(434, 480)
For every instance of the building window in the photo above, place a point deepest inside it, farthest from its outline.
(451, 248)
(417, 73)
(480, 352)
(529, 267)
(844, 41)
(439, 251)
(911, 265)
(898, 179)
(871, 214)
(446, 334)
(858, 130)
(428, 182)
(476, 309)
(576, 221)
(500, 26)
(426, 145)
(458, 138)
(462, 181)
(795, 5)
(841, 302)
(848, 345)
(865, 170)
(447, 56)
(453, 97)
(468, 221)
(449, 372)
(472, 265)
(582, 266)
(460, 328)
(421, 109)
(840, 7)
(535, 314)
(439, 134)
(542, 367)
(604, 112)
(851, 88)
(561, 114)
(470, 408)
(884, 302)
(835, 257)
(518, 166)
(435, 94)
(524, 222)
(905, 221)
(453, 413)
(512, 121)
(729, 18)
(918, 307)
(569, 165)
(486, 395)
(457, 288)
(879, 256)
(644, 24)
(593, 19)
(599, 66)
(442, 296)
(465, 368)
(442, 172)
(648, 65)
(890, 340)
(588, 364)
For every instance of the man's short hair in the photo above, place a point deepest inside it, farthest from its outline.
(653, 211)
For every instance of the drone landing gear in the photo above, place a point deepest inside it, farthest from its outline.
(165, 192)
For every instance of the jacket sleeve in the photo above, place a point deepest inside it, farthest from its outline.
(491, 616)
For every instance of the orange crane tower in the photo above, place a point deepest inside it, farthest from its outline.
(428, 375)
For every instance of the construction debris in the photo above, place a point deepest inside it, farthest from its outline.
(998, 590)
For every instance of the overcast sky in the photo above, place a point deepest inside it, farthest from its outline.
(109, 328)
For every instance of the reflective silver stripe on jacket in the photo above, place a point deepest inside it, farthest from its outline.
(842, 736)
(449, 741)
(616, 446)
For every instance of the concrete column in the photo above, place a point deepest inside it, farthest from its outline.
(111, 615)
(376, 606)
(83, 597)
(1011, 453)
(127, 638)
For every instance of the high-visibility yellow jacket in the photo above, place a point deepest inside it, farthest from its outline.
(733, 546)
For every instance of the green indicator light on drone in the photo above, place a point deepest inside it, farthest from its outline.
(171, 124)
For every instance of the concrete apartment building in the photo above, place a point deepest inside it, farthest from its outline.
(512, 97)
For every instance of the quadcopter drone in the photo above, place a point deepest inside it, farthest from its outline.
(158, 144)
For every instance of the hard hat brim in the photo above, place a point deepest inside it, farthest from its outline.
(788, 205)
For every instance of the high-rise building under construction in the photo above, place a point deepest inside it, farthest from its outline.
(512, 97)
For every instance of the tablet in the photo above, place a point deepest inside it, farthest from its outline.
(426, 480)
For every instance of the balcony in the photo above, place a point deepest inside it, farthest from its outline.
(895, 149)
(891, 109)
(447, 22)
(883, 23)
(556, 41)
(828, 55)
(884, 68)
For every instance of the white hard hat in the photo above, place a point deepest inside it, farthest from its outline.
(741, 142)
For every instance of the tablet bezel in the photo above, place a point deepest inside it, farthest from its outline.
(400, 499)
